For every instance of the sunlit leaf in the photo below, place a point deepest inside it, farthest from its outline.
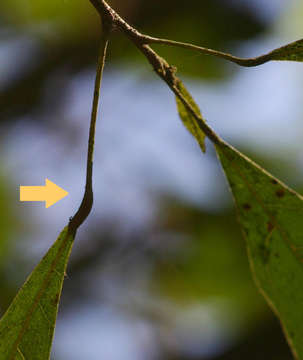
(187, 118)
(27, 328)
(271, 218)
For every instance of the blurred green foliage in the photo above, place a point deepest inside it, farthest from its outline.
(58, 20)
(210, 261)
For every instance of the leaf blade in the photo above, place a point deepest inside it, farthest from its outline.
(277, 223)
(290, 52)
(31, 317)
(270, 215)
(187, 118)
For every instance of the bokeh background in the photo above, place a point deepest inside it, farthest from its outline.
(159, 270)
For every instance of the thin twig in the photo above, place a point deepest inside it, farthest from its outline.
(248, 62)
(168, 74)
(160, 65)
(87, 201)
(282, 53)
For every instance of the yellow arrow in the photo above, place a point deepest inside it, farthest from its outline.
(50, 193)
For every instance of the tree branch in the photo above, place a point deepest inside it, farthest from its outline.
(166, 72)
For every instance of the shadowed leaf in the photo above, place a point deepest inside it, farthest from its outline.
(27, 328)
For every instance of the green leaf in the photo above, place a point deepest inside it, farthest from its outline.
(187, 118)
(271, 218)
(27, 328)
(291, 52)
(270, 215)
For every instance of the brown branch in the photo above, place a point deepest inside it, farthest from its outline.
(282, 53)
(160, 65)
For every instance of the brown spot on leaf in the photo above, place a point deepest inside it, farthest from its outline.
(274, 181)
(245, 231)
(246, 206)
(56, 299)
(270, 226)
(280, 193)
(264, 254)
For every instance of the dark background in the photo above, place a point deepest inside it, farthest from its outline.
(159, 270)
